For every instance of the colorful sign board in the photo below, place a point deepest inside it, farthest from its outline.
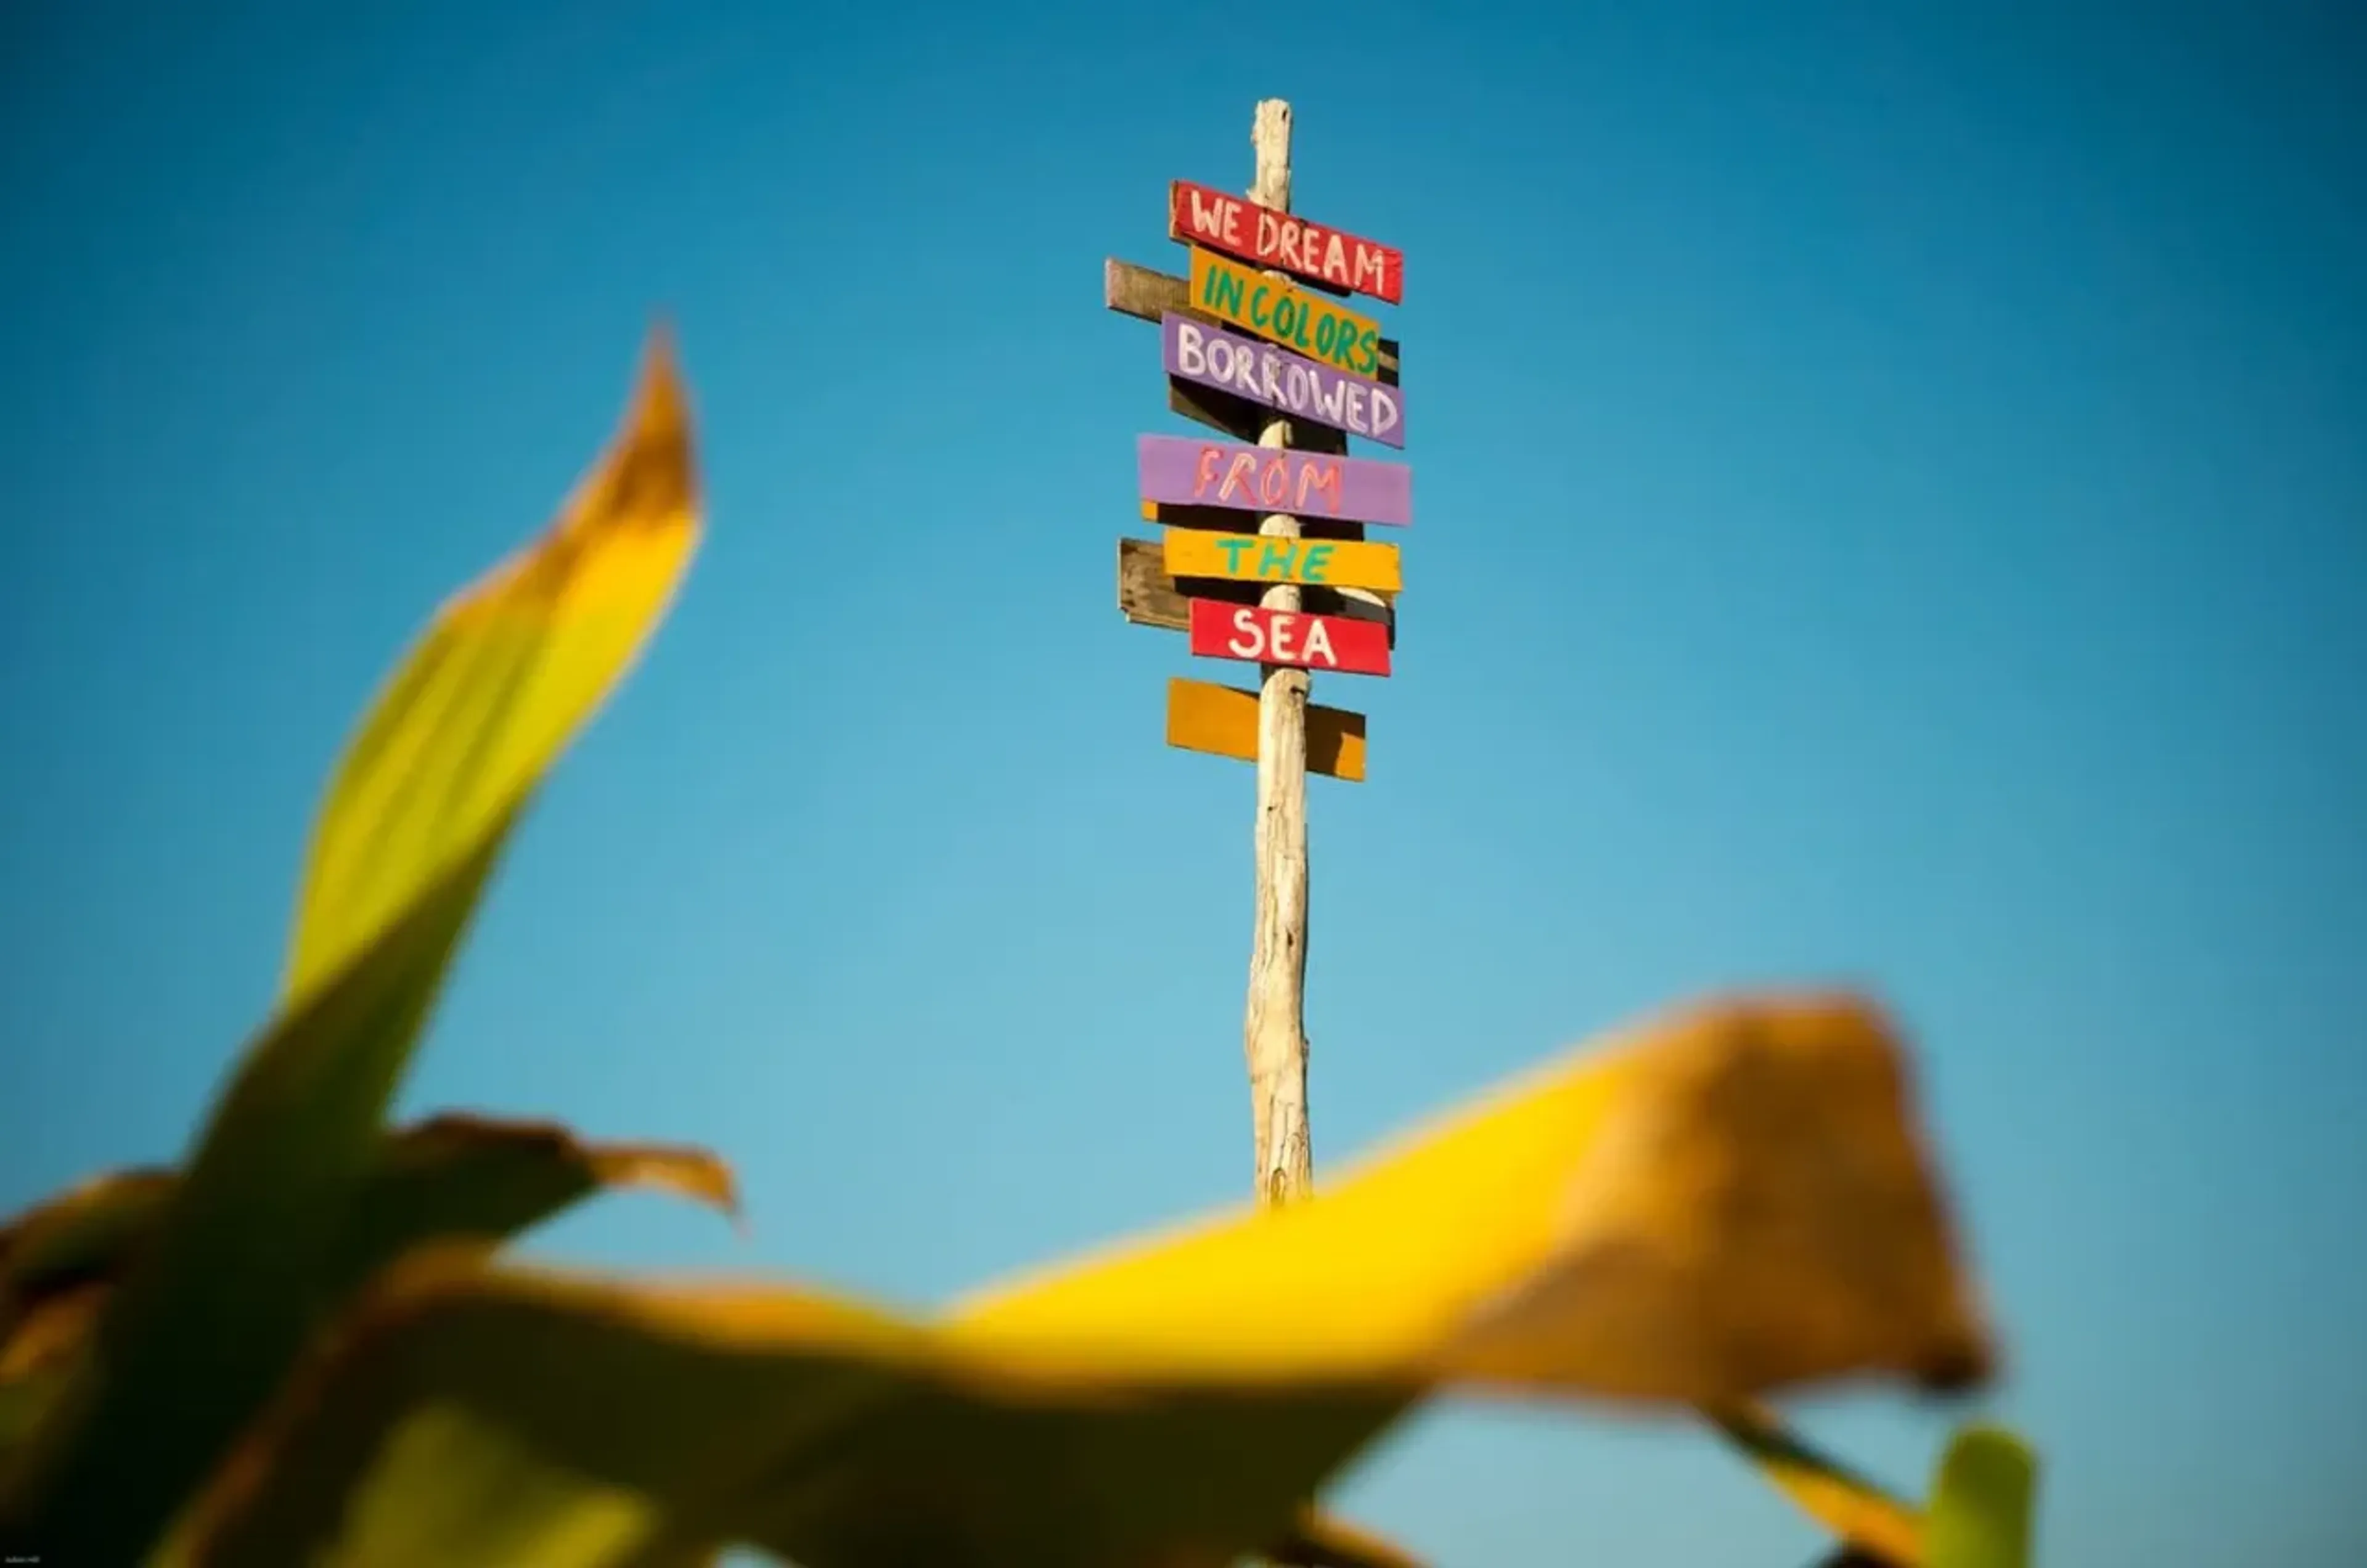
(1145, 295)
(1252, 557)
(1284, 313)
(1223, 722)
(1184, 469)
(1261, 636)
(1149, 595)
(1280, 379)
(1200, 215)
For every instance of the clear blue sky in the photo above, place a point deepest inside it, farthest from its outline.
(1893, 508)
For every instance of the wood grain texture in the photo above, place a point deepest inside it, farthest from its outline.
(1223, 721)
(1273, 1026)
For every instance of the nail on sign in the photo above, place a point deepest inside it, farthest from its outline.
(1259, 636)
(1180, 471)
(1281, 379)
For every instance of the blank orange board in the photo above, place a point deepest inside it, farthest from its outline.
(1223, 721)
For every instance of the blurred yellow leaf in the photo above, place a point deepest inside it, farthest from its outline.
(1320, 1540)
(1729, 1201)
(1733, 1198)
(1978, 1516)
(219, 1305)
(510, 669)
(1859, 1513)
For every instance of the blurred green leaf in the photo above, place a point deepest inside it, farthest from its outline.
(1981, 1497)
(217, 1309)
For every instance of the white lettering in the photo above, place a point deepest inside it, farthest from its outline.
(1207, 217)
(1356, 408)
(1245, 624)
(1319, 644)
(1265, 238)
(1191, 351)
(1385, 411)
(1328, 405)
(1295, 385)
(1335, 261)
(1271, 364)
(1282, 623)
(1245, 367)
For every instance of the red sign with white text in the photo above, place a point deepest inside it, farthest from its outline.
(1288, 636)
(1238, 227)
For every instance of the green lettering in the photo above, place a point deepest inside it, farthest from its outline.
(1365, 355)
(1317, 567)
(1233, 548)
(1276, 561)
(1326, 331)
(1257, 303)
(1222, 292)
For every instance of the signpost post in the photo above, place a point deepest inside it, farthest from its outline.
(1262, 556)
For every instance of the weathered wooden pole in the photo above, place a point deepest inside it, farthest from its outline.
(1274, 1034)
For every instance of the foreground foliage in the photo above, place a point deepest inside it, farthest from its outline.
(302, 1346)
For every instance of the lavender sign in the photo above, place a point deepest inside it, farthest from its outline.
(1188, 472)
(1283, 380)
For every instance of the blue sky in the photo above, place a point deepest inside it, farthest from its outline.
(1892, 511)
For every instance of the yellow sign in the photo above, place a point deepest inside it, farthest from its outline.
(1280, 314)
(1223, 720)
(1252, 557)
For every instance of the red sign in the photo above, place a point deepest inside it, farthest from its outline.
(1240, 228)
(1288, 636)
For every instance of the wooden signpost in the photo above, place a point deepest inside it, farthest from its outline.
(1262, 557)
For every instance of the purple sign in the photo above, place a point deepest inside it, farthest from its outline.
(1188, 472)
(1281, 379)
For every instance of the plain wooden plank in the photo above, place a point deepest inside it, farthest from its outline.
(1149, 596)
(1145, 294)
(1222, 721)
